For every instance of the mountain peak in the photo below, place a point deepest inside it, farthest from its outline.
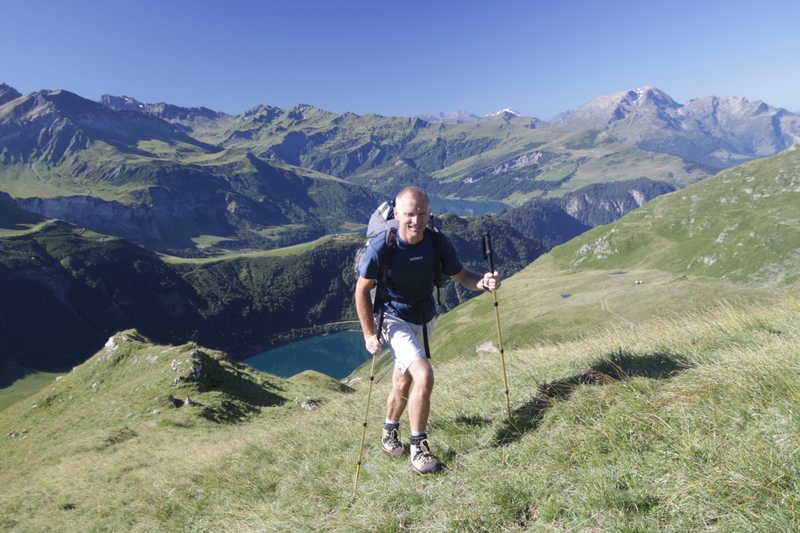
(459, 115)
(603, 111)
(646, 96)
(8, 93)
(164, 111)
(262, 113)
(121, 102)
(504, 113)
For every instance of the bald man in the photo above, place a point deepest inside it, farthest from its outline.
(407, 306)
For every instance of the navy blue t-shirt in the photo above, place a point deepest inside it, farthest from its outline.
(411, 280)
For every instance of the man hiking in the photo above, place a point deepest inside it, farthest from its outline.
(408, 310)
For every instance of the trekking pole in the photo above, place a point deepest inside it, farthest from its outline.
(366, 415)
(487, 253)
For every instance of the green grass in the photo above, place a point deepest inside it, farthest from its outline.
(23, 229)
(680, 424)
(17, 382)
(543, 304)
(207, 241)
(285, 251)
(741, 225)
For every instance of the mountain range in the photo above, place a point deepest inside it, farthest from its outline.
(135, 175)
(271, 177)
(199, 183)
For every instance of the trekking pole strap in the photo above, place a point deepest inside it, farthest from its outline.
(425, 340)
(380, 324)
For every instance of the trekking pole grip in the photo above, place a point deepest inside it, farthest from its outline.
(487, 251)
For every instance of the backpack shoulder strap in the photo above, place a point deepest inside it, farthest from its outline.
(385, 256)
(438, 259)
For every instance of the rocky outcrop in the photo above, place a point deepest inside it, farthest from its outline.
(167, 112)
(153, 224)
(557, 220)
(603, 203)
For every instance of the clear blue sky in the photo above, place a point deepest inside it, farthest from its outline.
(402, 58)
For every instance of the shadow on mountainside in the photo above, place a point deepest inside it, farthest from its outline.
(615, 367)
(240, 395)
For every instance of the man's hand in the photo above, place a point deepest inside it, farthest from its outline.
(490, 281)
(373, 344)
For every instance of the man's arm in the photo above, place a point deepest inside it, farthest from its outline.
(475, 282)
(365, 314)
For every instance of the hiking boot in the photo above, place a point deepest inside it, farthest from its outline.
(423, 461)
(390, 442)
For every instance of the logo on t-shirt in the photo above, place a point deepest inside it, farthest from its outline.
(418, 258)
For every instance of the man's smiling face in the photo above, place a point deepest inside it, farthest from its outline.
(412, 213)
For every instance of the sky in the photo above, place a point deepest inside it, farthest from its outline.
(539, 58)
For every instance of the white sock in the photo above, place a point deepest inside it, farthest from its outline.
(392, 422)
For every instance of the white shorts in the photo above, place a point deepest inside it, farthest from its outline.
(405, 340)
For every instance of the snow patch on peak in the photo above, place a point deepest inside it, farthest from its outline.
(503, 112)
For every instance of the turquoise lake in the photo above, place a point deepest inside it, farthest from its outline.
(336, 355)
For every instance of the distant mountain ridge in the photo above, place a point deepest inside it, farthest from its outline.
(50, 125)
(715, 131)
(133, 174)
(171, 113)
(267, 177)
(454, 116)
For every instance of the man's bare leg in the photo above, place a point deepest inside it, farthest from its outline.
(420, 399)
(398, 397)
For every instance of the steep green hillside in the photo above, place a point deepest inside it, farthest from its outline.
(735, 236)
(674, 425)
(65, 290)
(742, 225)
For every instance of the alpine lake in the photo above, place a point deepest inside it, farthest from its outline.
(335, 354)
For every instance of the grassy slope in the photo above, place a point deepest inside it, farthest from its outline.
(672, 425)
(75, 427)
(741, 225)
(17, 382)
(734, 236)
(276, 252)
